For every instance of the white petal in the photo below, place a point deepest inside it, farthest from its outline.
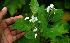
(48, 9)
(27, 17)
(51, 5)
(35, 29)
(33, 20)
(32, 17)
(35, 35)
(54, 12)
(36, 19)
(30, 20)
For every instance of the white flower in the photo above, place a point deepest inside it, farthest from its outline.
(35, 35)
(48, 9)
(54, 12)
(33, 19)
(51, 5)
(26, 18)
(35, 29)
(30, 20)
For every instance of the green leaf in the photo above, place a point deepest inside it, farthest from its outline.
(34, 6)
(61, 39)
(22, 24)
(41, 9)
(57, 16)
(25, 40)
(65, 24)
(44, 22)
(30, 34)
(23, 2)
(55, 31)
(12, 9)
(41, 17)
(36, 24)
(12, 6)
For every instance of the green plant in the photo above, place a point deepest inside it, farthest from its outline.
(41, 26)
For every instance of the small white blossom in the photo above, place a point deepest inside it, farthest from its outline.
(48, 9)
(35, 35)
(30, 20)
(51, 5)
(26, 18)
(54, 12)
(51, 8)
(33, 19)
(35, 29)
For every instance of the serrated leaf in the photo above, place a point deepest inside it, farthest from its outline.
(61, 39)
(22, 24)
(25, 40)
(57, 16)
(55, 31)
(30, 34)
(44, 22)
(34, 6)
(41, 17)
(65, 24)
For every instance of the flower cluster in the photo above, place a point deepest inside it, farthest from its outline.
(35, 29)
(34, 19)
(51, 7)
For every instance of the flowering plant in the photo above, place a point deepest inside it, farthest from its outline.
(39, 25)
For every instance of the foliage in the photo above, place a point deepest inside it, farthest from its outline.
(61, 39)
(57, 16)
(34, 6)
(22, 24)
(13, 5)
(53, 33)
